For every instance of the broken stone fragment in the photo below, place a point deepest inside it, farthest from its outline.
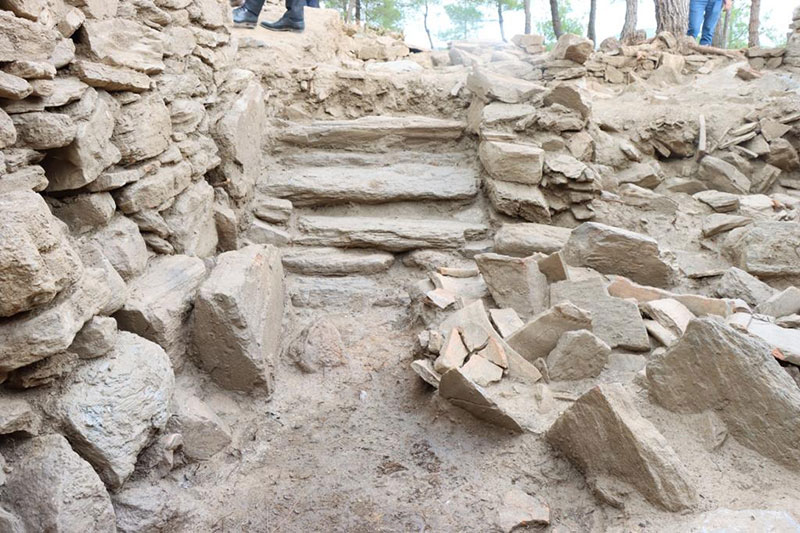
(44, 372)
(737, 283)
(453, 353)
(490, 86)
(17, 416)
(84, 212)
(204, 433)
(613, 250)
(507, 321)
(519, 200)
(160, 300)
(784, 303)
(24, 40)
(723, 176)
(540, 335)
(783, 155)
(96, 338)
(572, 47)
(495, 353)
(318, 347)
(578, 355)
(122, 244)
(721, 202)
(482, 371)
(727, 358)
(520, 163)
(99, 419)
(124, 43)
(190, 219)
(237, 318)
(142, 129)
(43, 131)
(604, 435)
(765, 249)
(519, 509)
(785, 343)
(50, 488)
(13, 87)
(41, 261)
(424, 369)
(670, 314)
(515, 283)
(462, 392)
(720, 223)
(699, 305)
(441, 298)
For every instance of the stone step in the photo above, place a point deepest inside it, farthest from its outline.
(312, 186)
(349, 133)
(351, 291)
(335, 261)
(391, 234)
(328, 158)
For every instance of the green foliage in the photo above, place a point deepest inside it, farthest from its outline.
(570, 23)
(739, 26)
(387, 14)
(465, 18)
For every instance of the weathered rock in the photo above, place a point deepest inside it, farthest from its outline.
(784, 342)
(481, 371)
(507, 321)
(238, 135)
(670, 313)
(424, 369)
(721, 202)
(605, 436)
(336, 262)
(783, 155)
(263, 233)
(111, 78)
(385, 234)
(93, 257)
(14, 87)
(99, 418)
(124, 43)
(43, 131)
(27, 179)
(525, 239)
(237, 318)
(518, 200)
(763, 416)
(17, 417)
(490, 86)
(204, 433)
(520, 163)
(568, 97)
(36, 259)
(8, 133)
(520, 509)
(540, 335)
(44, 372)
(573, 47)
(699, 305)
(613, 250)
(720, 223)
(723, 176)
(191, 221)
(274, 210)
(96, 338)
(765, 249)
(459, 390)
(318, 347)
(614, 320)
(50, 488)
(784, 303)
(515, 282)
(23, 40)
(123, 246)
(453, 353)
(578, 355)
(736, 283)
(160, 300)
(142, 129)
(84, 212)
(153, 190)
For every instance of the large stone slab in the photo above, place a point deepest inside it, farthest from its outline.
(604, 435)
(111, 78)
(237, 318)
(515, 282)
(112, 406)
(540, 335)
(578, 355)
(489, 86)
(336, 262)
(124, 43)
(142, 129)
(160, 300)
(518, 200)
(385, 233)
(613, 250)
(191, 221)
(43, 131)
(527, 238)
(736, 283)
(36, 259)
(723, 176)
(312, 186)
(741, 382)
(785, 342)
(24, 40)
(50, 488)
(766, 249)
(51, 328)
(520, 163)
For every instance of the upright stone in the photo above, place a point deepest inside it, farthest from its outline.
(515, 282)
(540, 335)
(143, 129)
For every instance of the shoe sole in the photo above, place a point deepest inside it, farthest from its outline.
(295, 30)
(245, 25)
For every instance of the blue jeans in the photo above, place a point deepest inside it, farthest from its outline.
(704, 14)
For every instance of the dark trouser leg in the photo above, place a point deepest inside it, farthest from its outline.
(312, 3)
(294, 10)
(254, 6)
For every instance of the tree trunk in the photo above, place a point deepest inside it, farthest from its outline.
(358, 12)
(425, 23)
(350, 6)
(556, 18)
(722, 31)
(590, 32)
(672, 16)
(526, 4)
(631, 19)
(500, 19)
(755, 22)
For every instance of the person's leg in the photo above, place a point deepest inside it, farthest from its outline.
(247, 14)
(697, 9)
(713, 9)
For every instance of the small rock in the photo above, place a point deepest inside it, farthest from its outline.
(737, 283)
(204, 433)
(786, 302)
(520, 509)
(720, 223)
(541, 334)
(96, 338)
(507, 321)
(515, 283)
(670, 313)
(481, 371)
(424, 369)
(318, 347)
(522, 240)
(578, 355)
(453, 353)
(16, 416)
(462, 392)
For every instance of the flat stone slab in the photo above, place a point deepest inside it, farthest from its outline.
(335, 261)
(311, 186)
(526, 239)
(394, 235)
(365, 129)
(352, 291)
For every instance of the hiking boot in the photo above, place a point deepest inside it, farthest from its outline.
(284, 24)
(244, 18)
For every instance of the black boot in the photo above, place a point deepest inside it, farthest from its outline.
(292, 20)
(246, 16)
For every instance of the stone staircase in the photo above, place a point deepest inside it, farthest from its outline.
(362, 193)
